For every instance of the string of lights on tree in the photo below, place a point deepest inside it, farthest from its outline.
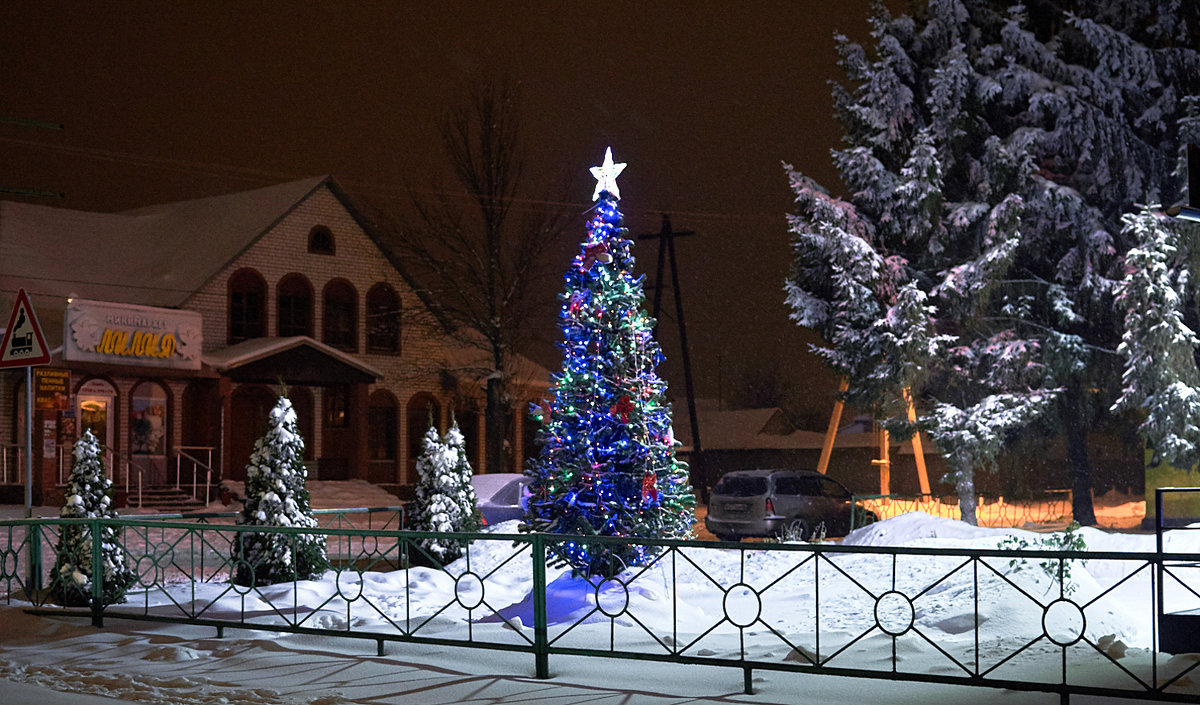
(607, 464)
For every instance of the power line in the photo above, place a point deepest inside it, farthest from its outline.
(270, 177)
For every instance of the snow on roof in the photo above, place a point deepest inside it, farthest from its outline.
(153, 256)
(254, 349)
(768, 428)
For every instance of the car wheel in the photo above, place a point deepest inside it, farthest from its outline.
(797, 530)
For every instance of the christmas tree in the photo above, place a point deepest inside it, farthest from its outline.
(607, 464)
(276, 495)
(445, 500)
(88, 498)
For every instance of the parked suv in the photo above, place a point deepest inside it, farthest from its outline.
(790, 503)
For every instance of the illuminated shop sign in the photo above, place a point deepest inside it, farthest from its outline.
(123, 334)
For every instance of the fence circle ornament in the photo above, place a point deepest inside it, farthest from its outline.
(1063, 622)
(243, 567)
(349, 585)
(468, 590)
(8, 564)
(612, 597)
(742, 605)
(147, 571)
(894, 613)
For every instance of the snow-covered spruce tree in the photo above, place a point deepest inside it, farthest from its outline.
(1095, 92)
(468, 509)
(445, 500)
(607, 464)
(89, 497)
(277, 495)
(935, 208)
(1161, 376)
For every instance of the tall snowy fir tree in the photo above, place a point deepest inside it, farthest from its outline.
(277, 495)
(990, 153)
(89, 496)
(607, 463)
(445, 499)
(1161, 374)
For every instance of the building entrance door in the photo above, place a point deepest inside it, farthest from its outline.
(93, 413)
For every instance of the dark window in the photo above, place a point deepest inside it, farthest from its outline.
(741, 486)
(383, 320)
(336, 400)
(340, 322)
(382, 426)
(294, 299)
(787, 484)
(320, 241)
(833, 489)
(247, 306)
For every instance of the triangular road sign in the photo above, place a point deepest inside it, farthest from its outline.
(23, 345)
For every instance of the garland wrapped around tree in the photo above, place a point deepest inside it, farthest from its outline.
(276, 495)
(607, 464)
(89, 497)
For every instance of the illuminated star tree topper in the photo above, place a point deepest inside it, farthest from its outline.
(606, 176)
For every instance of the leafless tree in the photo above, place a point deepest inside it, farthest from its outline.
(480, 249)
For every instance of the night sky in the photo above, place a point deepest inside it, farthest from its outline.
(703, 100)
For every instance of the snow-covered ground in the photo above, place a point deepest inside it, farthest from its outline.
(692, 603)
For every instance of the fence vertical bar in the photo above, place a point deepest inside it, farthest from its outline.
(97, 574)
(541, 644)
(34, 536)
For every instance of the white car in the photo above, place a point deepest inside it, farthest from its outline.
(501, 496)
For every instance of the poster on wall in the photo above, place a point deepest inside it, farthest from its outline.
(124, 334)
(148, 425)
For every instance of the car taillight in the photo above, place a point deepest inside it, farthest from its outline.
(770, 506)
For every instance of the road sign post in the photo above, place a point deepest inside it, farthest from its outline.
(24, 345)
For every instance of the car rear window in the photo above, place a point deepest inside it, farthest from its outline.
(741, 486)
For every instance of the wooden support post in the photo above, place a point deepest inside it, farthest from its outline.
(884, 462)
(918, 450)
(834, 420)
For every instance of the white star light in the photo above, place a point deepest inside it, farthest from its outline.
(606, 176)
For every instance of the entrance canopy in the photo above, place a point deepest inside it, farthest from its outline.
(295, 360)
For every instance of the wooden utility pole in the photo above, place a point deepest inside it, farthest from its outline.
(666, 248)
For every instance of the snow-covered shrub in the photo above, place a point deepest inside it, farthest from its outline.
(276, 495)
(89, 497)
(445, 500)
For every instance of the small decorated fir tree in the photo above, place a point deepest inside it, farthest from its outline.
(445, 500)
(88, 497)
(276, 495)
(607, 465)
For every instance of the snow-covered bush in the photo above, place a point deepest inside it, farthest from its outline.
(276, 495)
(89, 497)
(445, 500)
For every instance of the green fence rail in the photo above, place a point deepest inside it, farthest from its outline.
(503, 595)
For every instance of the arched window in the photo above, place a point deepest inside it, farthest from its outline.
(383, 320)
(247, 306)
(294, 301)
(148, 422)
(320, 241)
(340, 320)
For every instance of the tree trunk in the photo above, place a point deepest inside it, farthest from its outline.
(494, 425)
(1075, 423)
(965, 484)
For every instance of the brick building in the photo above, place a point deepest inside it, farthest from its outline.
(172, 327)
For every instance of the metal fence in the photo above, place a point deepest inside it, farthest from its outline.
(939, 615)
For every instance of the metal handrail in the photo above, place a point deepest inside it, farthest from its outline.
(180, 453)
